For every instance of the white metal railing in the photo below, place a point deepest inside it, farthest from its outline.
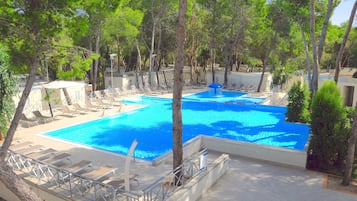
(69, 184)
(77, 187)
(163, 188)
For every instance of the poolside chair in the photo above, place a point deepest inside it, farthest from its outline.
(55, 159)
(13, 158)
(19, 158)
(37, 155)
(108, 93)
(41, 154)
(87, 180)
(98, 94)
(41, 117)
(78, 167)
(43, 167)
(68, 110)
(80, 108)
(118, 180)
(20, 145)
(27, 122)
(100, 173)
(115, 103)
(94, 107)
(103, 104)
(29, 149)
(117, 185)
(66, 173)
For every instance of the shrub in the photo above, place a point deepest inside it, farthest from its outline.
(298, 103)
(7, 90)
(330, 128)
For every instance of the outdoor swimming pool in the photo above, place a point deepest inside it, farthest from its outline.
(232, 116)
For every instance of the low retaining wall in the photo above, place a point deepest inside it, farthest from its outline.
(273, 154)
(200, 184)
(42, 193)
(278, 155)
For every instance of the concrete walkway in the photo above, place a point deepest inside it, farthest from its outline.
(249, 180)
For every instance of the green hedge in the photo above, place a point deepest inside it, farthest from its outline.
(330, 128)
(298, 103)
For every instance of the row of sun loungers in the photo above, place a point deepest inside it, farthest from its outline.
(99, 100)
(56, 169)
(37, 119)
(71, 111)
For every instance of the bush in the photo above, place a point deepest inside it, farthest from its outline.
(7, 90)
(298, 103)
(330, 127)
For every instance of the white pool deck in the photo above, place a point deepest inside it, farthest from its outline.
(246, 180)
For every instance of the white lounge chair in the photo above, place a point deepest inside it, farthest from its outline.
(66, 173)
(85, 109)
(20, 145)
(92, 106)
(118, 180)
(56, 158)
(103, 104)
(28, 122)
(89, 179)
(30, 149)
(41, 117)
(77, 167)
(100, 173)
(43, 168)
(67, 110)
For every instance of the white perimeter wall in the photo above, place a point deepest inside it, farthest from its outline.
(283, 156)
(273, 154)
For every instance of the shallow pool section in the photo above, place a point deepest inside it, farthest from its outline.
(151, 126)
(227, 97)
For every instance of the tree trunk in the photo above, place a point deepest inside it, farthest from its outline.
(91, 71)
(212, 65)
(307, 54)
(266, 59)
(231, 43)
(343, 44)
(324, 29)
(177, 90)
(138, 62)
(315, 76)
(96, 62)
(119, 55)
(152, 50)
(350, 152)
(13, 182)
(226, 64)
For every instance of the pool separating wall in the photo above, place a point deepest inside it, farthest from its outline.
(278, 155)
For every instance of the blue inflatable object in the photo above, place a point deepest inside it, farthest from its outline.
(215, 85)
(215, 89)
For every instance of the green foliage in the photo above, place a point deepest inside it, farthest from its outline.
(330, 128)
(298, 103)
(28, 26)
(280, 77)
(74, 67)
(69, 61)
(7, 90)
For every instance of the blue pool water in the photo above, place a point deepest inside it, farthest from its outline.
(233, 116)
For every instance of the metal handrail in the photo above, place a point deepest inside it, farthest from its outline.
(73, 184)
(78, 186)
(173, 181)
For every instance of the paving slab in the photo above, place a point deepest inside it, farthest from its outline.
(251, 180)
